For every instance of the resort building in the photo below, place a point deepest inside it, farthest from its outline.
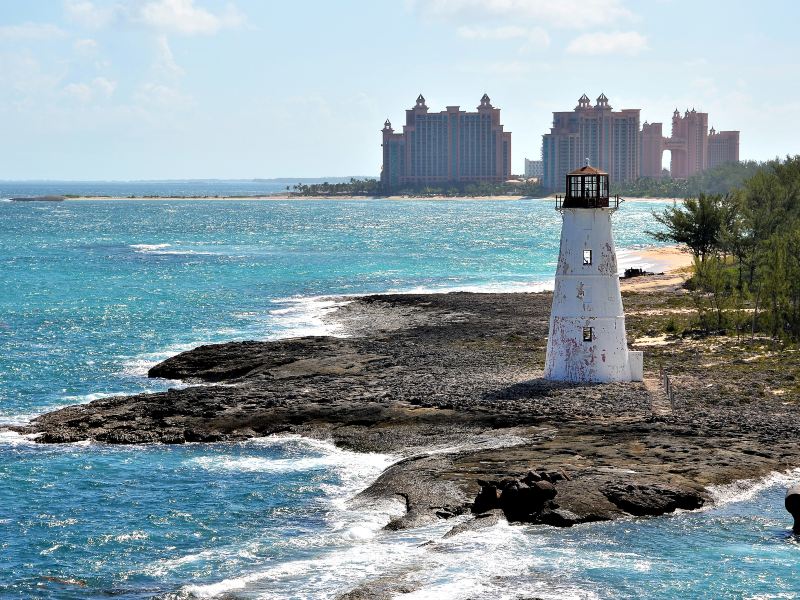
(451, 146)
(652, 145)
(607, 138)
(692, 147)
(612, 140)
(723, 147)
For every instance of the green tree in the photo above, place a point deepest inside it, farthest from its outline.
(714, 291)
(697, 223)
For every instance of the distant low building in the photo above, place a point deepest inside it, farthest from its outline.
(534, 168)
(451, 146)
(723, 147)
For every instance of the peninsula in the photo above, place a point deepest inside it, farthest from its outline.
(452, 384)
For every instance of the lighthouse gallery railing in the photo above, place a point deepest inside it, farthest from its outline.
(609, 202)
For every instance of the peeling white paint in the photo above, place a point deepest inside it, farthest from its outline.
(587, 295)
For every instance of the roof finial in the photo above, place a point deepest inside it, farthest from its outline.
(587, 161)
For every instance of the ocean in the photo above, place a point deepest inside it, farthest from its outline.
(95, 292)
(168, 188)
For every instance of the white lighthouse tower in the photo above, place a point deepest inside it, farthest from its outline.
(587, 340)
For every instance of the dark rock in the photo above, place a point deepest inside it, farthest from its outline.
(481, 521)
(531, 477)
(199, 435)
(545, 490)
(523, 503)
(558, 517)
(652, 500)
(60, 436)
(509, 484)
(487, 499)
(553, 476)
(792, 504)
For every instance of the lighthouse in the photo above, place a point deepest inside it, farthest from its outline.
(587, 341)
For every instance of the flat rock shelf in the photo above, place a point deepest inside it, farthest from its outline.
(452, 383)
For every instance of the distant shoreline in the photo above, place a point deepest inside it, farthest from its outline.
(285, 197)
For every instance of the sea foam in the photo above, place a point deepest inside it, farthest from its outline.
(167, 250)
(306, 316)
(747, 489)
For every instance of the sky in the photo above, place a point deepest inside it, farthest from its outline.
(173, 89)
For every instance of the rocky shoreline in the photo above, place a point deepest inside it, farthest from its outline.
(452, 383)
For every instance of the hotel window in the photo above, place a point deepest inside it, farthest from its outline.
(587, 257)
(587, 334)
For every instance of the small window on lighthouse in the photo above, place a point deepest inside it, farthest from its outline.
(587, 334)
(587, 257)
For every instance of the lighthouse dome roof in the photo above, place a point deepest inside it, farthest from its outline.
(587, 170)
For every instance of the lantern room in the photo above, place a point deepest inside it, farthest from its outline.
(587, 187)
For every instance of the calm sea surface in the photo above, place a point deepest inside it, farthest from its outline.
(94, 293)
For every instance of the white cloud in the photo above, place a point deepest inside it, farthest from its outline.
(569, 14)
(492, 33)
(86, 46)
(182, 16)
(24, 79)
(161, 96)
(99, 87)
(166, 16)
(532, 36)
(617, 42)
(165, 61)
(90, 15)
(31, 31)
(79, 91)
(105, 87)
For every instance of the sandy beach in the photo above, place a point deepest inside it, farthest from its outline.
(658, 259)
(671, 263)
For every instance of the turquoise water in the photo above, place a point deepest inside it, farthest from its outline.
(93, 293)
(173, 187)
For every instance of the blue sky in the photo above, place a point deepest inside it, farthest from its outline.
(153, 89)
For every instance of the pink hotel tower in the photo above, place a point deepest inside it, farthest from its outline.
(612, 140)
(451, 146)
(693, 148)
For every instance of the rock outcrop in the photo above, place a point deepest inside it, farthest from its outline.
(452, 384)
